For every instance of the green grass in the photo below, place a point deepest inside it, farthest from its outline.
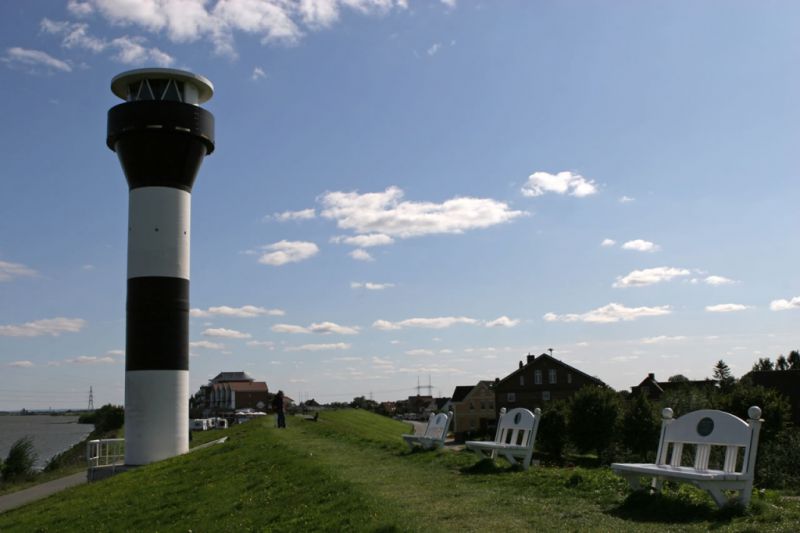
(350, 471)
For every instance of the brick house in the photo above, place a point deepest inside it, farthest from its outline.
(473, 408)
(654, 390)
(227, 392)
(540, 380)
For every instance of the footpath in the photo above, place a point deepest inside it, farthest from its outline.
(38, 492)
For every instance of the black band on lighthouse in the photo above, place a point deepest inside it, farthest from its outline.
(160, 143)
(157, 333)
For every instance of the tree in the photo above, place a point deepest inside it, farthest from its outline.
(640, 426)
(794, 360)
(781, 363)
(722, 373)
(552, 435)
(764, 364)
(593, 415)
(678, 378)
(20, 460)
(774, 407)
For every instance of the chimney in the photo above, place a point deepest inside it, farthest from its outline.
(531, 358)
(651, 376)
(520, 364)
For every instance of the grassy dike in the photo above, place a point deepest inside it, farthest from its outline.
(351, 472)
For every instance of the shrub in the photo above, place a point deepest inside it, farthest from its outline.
(552, 434)
(593, 415)
(108, 418)
(640, 427)
(774, 406)
(20, 460)
(778, 463)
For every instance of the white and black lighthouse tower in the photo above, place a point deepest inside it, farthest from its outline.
(161, 135)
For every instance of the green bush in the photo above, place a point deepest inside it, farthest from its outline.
(774, 407)
(640, 427)
(593, 415)
(108, 418)
(20, 460)
(778, 463)
(552, 435)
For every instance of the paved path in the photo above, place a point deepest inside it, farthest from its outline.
(38, 492)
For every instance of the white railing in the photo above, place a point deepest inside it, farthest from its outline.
(105, 452)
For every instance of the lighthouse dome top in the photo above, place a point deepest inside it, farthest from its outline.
(162, 84)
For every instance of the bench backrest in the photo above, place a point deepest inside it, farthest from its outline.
(438, 426)
(518, 427)
(706, 428)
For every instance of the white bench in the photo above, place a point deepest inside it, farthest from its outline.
(703, 429)
(434, 434)
(515, 437)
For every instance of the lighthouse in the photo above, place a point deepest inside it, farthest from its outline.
(161, 135)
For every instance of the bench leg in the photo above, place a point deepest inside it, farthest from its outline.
(719, 497)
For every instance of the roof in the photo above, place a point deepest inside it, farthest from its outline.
(231, 376)
(461, 392)
(244, 386)
(545, 357)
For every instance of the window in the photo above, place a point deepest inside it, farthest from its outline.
(551, 375)
(545, 395)
(522, 381)
(569, 377)
(511, 397)
(471, 406)
(537, 377)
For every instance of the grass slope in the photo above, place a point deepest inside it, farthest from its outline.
(351, 472)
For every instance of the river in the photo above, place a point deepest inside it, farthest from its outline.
(50, 434)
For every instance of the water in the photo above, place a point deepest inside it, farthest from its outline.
(50, 434)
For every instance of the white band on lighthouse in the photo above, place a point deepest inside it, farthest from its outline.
(156, 415)
(159, 220)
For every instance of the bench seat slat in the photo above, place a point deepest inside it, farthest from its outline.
(683, 472)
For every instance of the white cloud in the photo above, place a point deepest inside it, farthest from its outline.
(430, 323)
(726, 308)
(364, 241)
(641, 246)
(540, 183)
(90, 360)
(718, 280)
(80, 9)
(48, 326)
(371, 286)
(624, 358)
(434, 48)
(226, 333)
(361, 255)
(319, 347)
(9, 271)
(320, 328)
(131, 51)
(218, 22)
(386, 212)
(284, 252)
(419, 351)
(258, 73)
(626, 199)
(785, 305)
(208, 345)
(262, 344)
(21, 364)
(449, 3)
(502, 321)
(303, 214)
(662, 338)
(612, 312)
(347, 359)
(128, 50)
(608, 242)
(34, 58)
(246, 311)
(649, 276)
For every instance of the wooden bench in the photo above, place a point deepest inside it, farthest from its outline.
(704, 429)
(434, 434)
(515, 437)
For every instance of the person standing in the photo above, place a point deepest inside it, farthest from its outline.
(277, 405)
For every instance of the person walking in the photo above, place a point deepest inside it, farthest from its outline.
(277, 405)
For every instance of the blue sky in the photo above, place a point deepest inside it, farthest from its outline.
(405, 189)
